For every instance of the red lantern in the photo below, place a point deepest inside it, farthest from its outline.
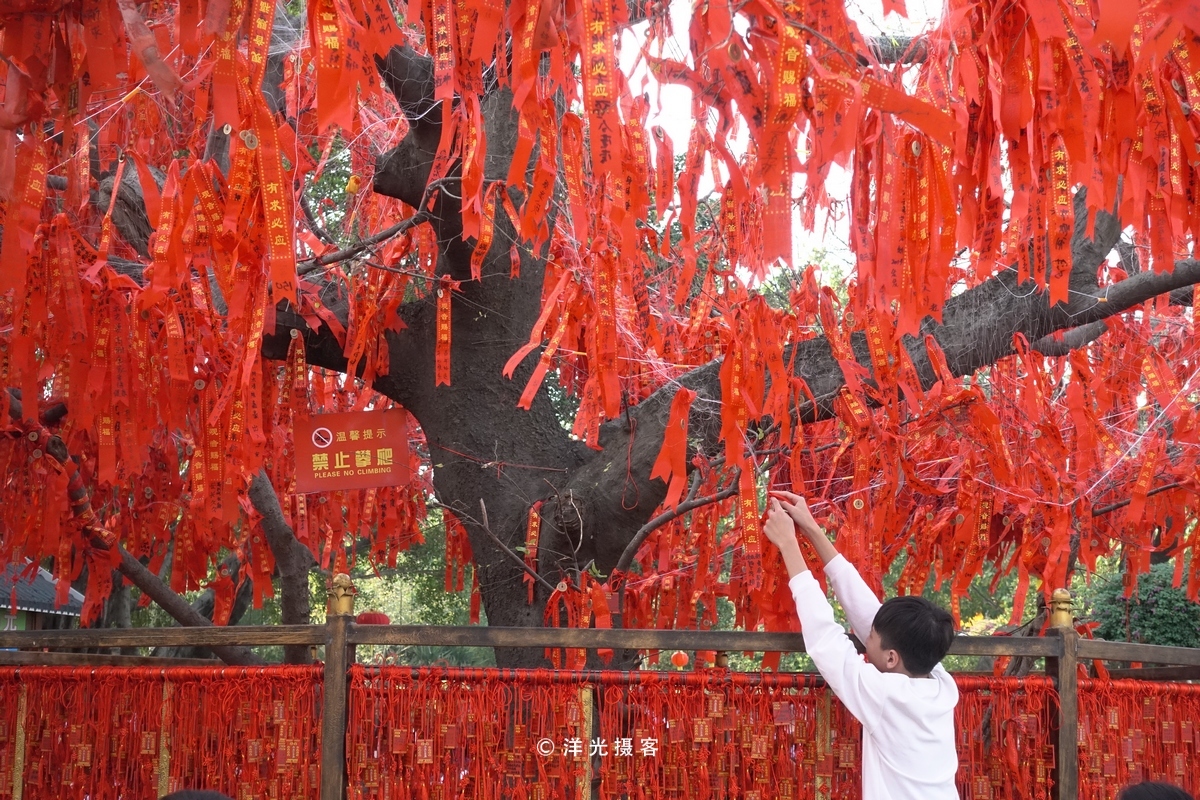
(679, 659)
(372, 618)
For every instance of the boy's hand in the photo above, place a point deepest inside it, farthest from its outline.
(797, 508)
(780, 529)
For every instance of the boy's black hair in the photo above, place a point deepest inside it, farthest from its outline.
(1150, 790)
(917, 629)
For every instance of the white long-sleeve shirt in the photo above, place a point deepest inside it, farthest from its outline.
(908, 750)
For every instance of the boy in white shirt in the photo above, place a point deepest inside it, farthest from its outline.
(904, 698)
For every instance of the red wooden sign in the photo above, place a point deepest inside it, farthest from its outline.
(353, 450)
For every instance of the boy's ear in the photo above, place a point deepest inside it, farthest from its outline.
(893, 660)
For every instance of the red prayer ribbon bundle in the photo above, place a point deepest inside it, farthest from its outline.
(487, 733)
(104, 733)
(1132, 731)
(1032, 455)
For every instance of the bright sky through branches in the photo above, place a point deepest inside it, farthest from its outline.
(671, 107)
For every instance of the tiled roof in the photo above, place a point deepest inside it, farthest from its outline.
(35, 592)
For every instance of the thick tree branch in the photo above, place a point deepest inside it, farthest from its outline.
(1071, 340)
(179, 609)
(408, 75)
(129, 212)
(206, 605)
(293, 561)
(130, 567)
(50, 415)
(1101, 303)
(1108, 509)
(976, 330)
(403, 172)
(650, 527)
(350, 252)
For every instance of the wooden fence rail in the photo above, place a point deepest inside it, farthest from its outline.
(1063, 649)
(591, 638)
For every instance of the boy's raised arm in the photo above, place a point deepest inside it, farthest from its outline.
(858, 601)
(851, 678)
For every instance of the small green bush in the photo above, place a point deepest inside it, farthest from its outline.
(1157, 614)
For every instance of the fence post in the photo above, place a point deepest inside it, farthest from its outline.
(18, 780)
(823, 773)
(587, 701)
(164, 742)
(333, 715)
(1066, 756)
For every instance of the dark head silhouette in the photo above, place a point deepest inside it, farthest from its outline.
(1151, 790)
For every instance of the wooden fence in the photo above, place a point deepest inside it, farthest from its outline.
(1063, 650)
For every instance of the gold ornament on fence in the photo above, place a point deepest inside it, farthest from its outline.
(341, 596)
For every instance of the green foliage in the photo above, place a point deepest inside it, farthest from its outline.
(153, 616)
(984, 610)
(414, 594)
(1157, 614)
(776, 289)
(327, 192)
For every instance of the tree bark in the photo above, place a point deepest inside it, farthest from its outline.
(129, 211)
(293, 562)
(119, 611)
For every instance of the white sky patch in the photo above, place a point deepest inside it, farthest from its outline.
(671, 107)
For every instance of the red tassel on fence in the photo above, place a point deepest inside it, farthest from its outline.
(100, 732)
(662, 732)
(1132, 731)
